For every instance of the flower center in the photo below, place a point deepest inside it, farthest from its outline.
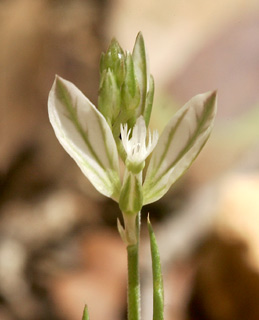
(136, 147)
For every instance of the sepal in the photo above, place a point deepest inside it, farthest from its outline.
(141, 71)
(149, 100)
(85, 135)
(109, 97)
(131, 196)
(130, 90)
(178, 146)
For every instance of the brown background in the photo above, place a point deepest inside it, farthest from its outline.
(59, 247)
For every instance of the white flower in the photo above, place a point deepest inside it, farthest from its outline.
(138, 147)
(86, 136)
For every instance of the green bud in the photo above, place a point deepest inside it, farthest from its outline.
(109, 97)
(114, 59)
(130, 93)
(141, 70)
(131, 196)
(126, 89)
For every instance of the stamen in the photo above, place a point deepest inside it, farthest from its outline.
(141, 144)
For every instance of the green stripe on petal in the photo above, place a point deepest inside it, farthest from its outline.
(179, 145)
(85, 135)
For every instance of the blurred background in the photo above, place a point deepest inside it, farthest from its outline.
(59, 247)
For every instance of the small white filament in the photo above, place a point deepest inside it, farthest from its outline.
(139, 146)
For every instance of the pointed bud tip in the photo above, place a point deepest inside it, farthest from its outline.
(139, 43)
(114, 40)
(115, 44)
(140, 35)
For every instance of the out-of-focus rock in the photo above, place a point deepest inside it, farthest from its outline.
(28, 231)
(38, 40)
(239, 213)
(226, 281)
(100, 282)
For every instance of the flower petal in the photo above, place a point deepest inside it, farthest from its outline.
(85, 135)
(138, 147)
(179, 144)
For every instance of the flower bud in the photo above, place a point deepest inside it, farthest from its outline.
(127, 89)
(114, 59)
(130, 93)
(109, 97)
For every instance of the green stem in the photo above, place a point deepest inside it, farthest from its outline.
(133, 278)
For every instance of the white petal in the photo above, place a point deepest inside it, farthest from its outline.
(179, 144)
(140, 131)
(85, 135)
(137, 147)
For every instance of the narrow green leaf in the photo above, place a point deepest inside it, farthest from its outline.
(85, 135)
(158, 288)
(179, 145)
(86, 314)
